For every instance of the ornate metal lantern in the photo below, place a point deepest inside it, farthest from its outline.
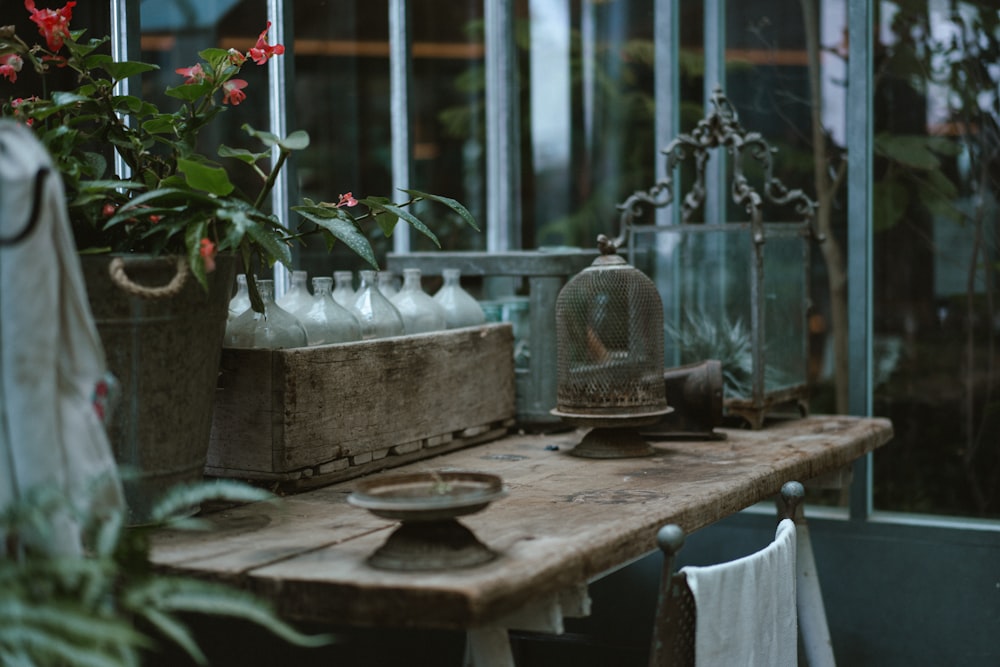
(736, 292)
(609, 356)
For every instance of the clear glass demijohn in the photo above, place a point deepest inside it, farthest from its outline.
(297, 297)
(376, 314)
(420, 312)
(275, 328)
(241, 300)
(387, 284)
(460, 308)
(343, 288)
(326, 321)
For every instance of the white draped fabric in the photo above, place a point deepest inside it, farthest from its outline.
(53, 378)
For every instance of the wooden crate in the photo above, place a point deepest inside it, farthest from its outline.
(314, 415)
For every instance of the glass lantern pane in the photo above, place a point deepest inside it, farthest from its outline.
(708, 311)
(708, 307)
(785, 299)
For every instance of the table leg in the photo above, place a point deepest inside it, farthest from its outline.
(489, 646)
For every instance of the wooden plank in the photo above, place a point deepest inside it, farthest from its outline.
(238, 411)
(282, 411)
(565, 521)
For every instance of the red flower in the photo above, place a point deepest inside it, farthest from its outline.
(236, 58)
(100, 399)
(18, 101)
(262, 51)
(347, 200)
(108, 210)
(194, 74)
(53, 24)
(10, 65)
(207, 252)
(233, 91)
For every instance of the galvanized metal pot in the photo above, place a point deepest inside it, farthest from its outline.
(162, 335)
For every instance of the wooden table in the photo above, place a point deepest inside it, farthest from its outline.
(565, 522)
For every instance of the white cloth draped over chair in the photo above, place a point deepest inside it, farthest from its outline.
(53, 378)
(746, 607)
(744, 612)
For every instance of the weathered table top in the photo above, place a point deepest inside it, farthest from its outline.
(565, 521)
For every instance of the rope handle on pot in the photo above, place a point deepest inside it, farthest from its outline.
(119, 278)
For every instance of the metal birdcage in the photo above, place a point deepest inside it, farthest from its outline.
(734, 291)
(609, 343)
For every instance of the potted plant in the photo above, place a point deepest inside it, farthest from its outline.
(110, 606)
(175, 201)
(181, 212)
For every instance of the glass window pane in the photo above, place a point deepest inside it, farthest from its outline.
(341, 98)
(448, 130)
(937, 323)
(588, 119)
(173, 33)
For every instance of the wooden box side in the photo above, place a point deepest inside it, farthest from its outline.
(247, 417)
(351, 401)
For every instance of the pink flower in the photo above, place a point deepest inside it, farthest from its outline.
(347, 200)
(236, 58)
(53, 24)
(263, 51)
(194, 74)
(10, 65)
(17, 102)
(233, 91)
(207, 252)
(108, 209)
(100, 399)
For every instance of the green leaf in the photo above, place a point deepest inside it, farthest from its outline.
(272, 246)
(889, 202)
(173, 630)
(453, 204)
(197, 596)
(240, 154)
(160, 124)
(189, 92)
(403, 214)
(295, 141)
(61, 99)
(267, 138)
(342, 226)
(179, 499)
(205, 177)
(213, 54)
(126, 68)
(66, 633)
(912, 151)
(938, 196)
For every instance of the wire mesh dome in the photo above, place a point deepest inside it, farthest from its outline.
(609, 341)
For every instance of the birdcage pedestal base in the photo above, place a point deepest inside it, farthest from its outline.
(613, 436)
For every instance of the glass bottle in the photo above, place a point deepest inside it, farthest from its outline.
(275, 328)
(376, 314)
(516, 310)
(387, 284)
(343, 288)
(460, 308)
(297, 297)
(326, 321)
(240, 300)
(420, 312)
